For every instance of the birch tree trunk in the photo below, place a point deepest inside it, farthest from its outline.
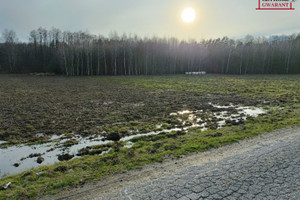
(241, 63)
(98, 60)
(115, 60)
(124, 60)
(65, 61)
(104, 57)
(228, 61)
(288, 58)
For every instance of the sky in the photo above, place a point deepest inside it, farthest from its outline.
(147, 18)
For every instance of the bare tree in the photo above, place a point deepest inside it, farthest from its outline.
(10, 38)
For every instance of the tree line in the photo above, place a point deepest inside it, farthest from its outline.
(81, 53)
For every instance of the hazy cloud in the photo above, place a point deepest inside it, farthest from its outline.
(215, 18)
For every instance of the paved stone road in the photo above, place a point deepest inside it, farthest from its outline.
(266, 167)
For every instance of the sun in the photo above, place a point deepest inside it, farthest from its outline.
(188, 15)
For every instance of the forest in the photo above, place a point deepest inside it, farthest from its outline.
(81, 53)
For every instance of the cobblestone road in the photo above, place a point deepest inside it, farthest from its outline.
(266, 167)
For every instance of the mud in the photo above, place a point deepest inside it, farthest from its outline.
(63, 148)
(40, 107)
(44, 122)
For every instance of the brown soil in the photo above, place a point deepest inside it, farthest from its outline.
(30, 105)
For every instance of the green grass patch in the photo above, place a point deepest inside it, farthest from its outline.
(282, 93)
(144, 151)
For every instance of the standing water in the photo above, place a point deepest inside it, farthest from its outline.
(18, 158)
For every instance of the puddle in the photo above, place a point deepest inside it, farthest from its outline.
(56, 137)
(126, 138)
(229, 112)
(73, 150)
(184, 112)
(128, 144)
(253, 112)
(14, 154)
(59, 143)
(219, 106)
(49, 151)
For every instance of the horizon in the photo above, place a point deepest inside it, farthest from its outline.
(133, 35)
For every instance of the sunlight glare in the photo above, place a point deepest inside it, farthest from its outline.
(188, 15)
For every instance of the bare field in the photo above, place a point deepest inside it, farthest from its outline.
(32, 105)
(76, 129)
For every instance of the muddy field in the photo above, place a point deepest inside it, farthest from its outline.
(62, 118)
(58, 132)
(36, 108)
